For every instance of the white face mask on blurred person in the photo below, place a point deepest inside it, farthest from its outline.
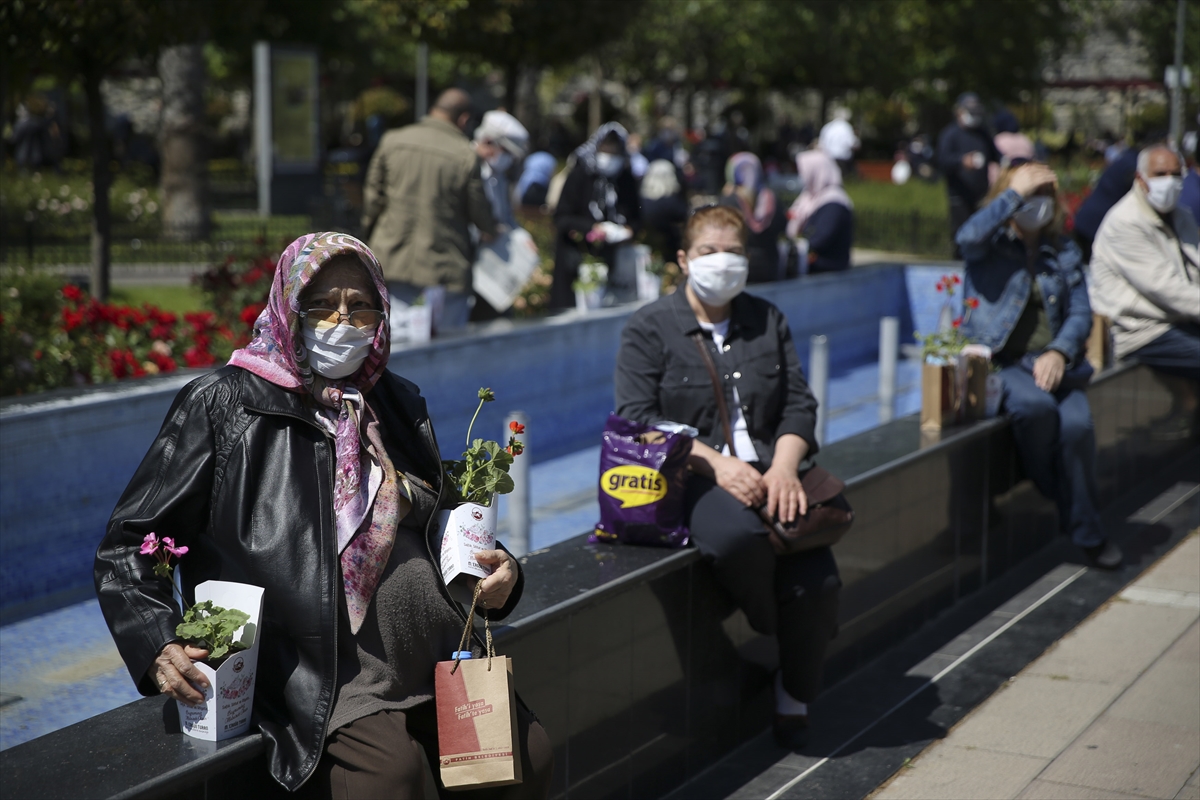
(609, 164)
(1162, 193)
(717, 278)
(1034, 214)
(501, 161)
(337, 351)
(970, 120)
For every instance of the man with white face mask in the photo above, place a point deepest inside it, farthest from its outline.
(964, 150)
(1146, 270)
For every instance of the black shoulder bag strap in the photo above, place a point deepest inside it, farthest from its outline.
(718, 392)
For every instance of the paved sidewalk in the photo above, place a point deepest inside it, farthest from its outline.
(1111, 711)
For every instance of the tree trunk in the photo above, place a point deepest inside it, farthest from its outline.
(185, 211)
(101, 181)
(511, 74)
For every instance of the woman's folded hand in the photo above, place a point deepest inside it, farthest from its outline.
(499, 585)
(740, 479)
(175, 674)
(785, 494)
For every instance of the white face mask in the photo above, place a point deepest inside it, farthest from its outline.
(337, 351)
(1163, 192)
(717, 278)
(609, 164)
(1034, 214)
(970, 120)
(501, 161)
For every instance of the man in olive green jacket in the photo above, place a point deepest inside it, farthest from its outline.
(423, 189)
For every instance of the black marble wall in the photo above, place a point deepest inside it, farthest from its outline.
(643, 675)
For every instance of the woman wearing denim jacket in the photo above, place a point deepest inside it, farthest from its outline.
(1027, 300)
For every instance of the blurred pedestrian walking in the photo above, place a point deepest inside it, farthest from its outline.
(821, 220)
(535, 179)
(839, 141)
(501, 142)
(964, 150)
(664, 208)
(424, 189)
(597, 210)
(746, 190)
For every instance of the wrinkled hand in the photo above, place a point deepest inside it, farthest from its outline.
(499, 585)
(785, 495)
(1030, 178)
(176, 676)
(1048, 370)
(741, 480)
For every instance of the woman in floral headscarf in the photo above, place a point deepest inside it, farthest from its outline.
(746, 190)
(308, 469)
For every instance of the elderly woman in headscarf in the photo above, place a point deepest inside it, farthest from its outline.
(306, 468)
(746, 190)
(822, 217)
(597, 210)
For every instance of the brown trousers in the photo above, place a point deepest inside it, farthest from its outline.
(378, 757)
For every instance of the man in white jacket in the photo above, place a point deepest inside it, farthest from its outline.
(1145, 270)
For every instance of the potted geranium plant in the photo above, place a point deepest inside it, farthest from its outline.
(945, 373)
(474, 481)
(229, 634)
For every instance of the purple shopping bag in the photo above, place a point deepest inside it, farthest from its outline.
(642, 476)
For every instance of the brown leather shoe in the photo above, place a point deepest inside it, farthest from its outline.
(791, 730)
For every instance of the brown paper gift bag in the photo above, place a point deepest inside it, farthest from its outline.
(939, 395)
(476, 718)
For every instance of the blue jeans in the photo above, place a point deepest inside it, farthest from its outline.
(1176, 352)
(1057, 445)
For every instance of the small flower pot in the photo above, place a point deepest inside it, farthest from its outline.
(230, 696)
(940, 398)
(590, 299)
(466, 530)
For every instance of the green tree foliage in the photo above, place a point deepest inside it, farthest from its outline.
(84, 42)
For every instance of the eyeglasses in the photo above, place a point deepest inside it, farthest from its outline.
(363, 319)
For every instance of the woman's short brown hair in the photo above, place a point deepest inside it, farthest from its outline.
(716, 217)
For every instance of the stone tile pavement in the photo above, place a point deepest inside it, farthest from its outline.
(1111, 711)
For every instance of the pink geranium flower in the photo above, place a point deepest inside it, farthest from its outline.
(169, 545)
(149, 544)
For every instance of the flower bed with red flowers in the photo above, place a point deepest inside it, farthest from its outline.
(54, 335)
(236, 290)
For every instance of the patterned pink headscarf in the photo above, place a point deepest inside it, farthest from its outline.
(744, 169)
(277, 353)
(822, 185)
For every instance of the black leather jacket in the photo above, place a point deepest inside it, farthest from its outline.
(242, 474)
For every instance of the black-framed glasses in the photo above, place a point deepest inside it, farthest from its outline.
(364, 318)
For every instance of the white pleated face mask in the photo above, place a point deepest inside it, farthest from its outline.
(1163, 192)
(337, 351)
(1034, 214)
(717, 278)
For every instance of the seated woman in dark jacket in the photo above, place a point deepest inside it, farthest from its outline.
(822, 216)
(661, 375)
(308, 469)
(1026, 283)
(746, 190)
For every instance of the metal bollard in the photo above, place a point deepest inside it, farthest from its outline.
(889, 345)
(818, 380)
(518, 499)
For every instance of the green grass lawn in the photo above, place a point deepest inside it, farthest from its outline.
(926, 198)
(176, 299)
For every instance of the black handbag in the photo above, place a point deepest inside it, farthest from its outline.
(829, 514)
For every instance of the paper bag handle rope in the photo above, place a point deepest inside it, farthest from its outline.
(487, 628)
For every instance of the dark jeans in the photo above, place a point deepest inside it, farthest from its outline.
(1176, 352)
(378, 757)
(794, 597)
(1057, 444)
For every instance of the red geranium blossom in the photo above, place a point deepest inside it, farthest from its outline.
(516, 427)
